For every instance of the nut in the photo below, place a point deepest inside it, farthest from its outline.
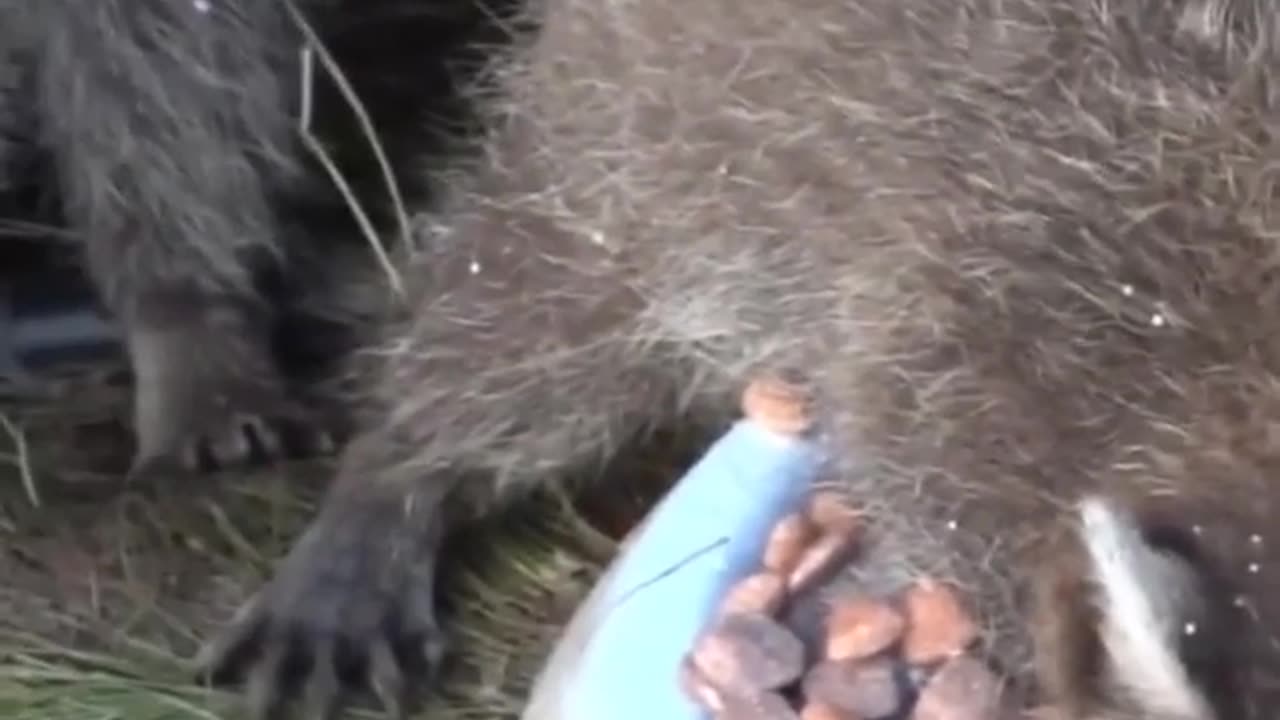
(859, 628)
(962, 689)
(760, 593)
(830, 511)
(749, 653)
(696, 685)
(819, 561)
(823, 711)
(778, 405)
(787, 542)
(938, 625)
(762, 706)
(868, 689)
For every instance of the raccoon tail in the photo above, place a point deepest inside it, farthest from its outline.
(1146, 601)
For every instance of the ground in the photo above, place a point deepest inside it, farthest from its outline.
(109, 589)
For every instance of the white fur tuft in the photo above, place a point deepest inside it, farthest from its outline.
(1144, 598)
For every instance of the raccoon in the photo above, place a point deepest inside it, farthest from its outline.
(1021, 250)
(168, 138)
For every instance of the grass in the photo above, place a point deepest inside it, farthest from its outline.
(109, 590)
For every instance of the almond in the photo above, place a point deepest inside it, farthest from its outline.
(868, 689)
(831, 512)
(859, 628)
(763, 592)
(762, 706)
(819, 562)
(749, 653)
(823, 711)
(938, 625)
(778, 405)
(787, 542)
(962, 689)
(698, 688)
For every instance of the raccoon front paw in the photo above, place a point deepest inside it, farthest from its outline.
(208, 396)
(351, 608)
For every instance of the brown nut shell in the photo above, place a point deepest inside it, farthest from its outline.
(859, 628)
(763, 592)
(831, 512)
(778, 405)
(962, 689)
(820, 561)
(787, 542)
(825, 711)
(761, 706)
(698, 688)
(749, 653)
(938, 625)
(868, 689)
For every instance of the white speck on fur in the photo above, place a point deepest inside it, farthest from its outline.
(203, 6)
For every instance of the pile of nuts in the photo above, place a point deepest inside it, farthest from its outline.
(904, 657)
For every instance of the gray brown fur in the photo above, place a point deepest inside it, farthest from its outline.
(171, 132)
(168, 128)
(959, 219)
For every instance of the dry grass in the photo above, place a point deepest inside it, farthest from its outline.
(109, 590)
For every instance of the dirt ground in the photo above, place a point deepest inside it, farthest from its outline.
(109, 590)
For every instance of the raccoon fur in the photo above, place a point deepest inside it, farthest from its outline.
(1022, 250)
(167, 138)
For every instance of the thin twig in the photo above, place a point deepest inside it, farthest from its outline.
(316, 148)
(315, 48)
(23, 459)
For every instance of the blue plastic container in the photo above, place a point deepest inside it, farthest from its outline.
(619, 657)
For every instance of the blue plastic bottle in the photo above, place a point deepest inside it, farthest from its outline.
(619, 658)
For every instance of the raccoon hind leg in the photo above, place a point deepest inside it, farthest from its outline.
(170, 129)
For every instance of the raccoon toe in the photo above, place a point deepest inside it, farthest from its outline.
(209, 398)
(244, 439)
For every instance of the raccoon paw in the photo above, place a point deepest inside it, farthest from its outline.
(208, 396)
(351, 608)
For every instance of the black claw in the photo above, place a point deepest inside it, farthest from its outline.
(323, 443)
(230, 447)
(324, 687)
(239, 442)
(148, 469)
(424, 643)
(225, 660)
(263, 439)
(192, 456)
(267, 699)
(386, 678)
